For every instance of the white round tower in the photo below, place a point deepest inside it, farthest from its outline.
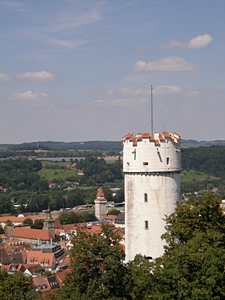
(151, 166)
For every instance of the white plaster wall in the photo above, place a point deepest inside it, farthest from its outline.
(150, 173)
(163, 191)
(155, 156)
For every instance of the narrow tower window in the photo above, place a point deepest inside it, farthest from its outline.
(145, 163)
(168, 160)
(134, 152)
(145, 197)
(146, 225)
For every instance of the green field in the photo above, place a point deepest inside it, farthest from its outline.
(57, 172)
(194, 175)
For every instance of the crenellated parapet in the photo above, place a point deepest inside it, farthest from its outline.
(157, 138)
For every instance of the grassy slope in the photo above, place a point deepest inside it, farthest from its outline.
(194, 175)
(57, 173)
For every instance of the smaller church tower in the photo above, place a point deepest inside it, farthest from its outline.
(100, 205)
(49, 223)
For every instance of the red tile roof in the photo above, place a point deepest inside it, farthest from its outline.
(146, 135)
(100, 195)
(43, 259)
(13, 219)
(33, 234)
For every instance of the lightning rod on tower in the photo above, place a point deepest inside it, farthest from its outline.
(151, 110)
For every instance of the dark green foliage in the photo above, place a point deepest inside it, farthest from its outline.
(119, 197)
(195, 216)
(210, 160)
(38, 202)
(99, 171)
(1, 229)
(38, 224)
(114, 211)
(75, 197)
(5, 204)
(20, 174)
(28, 221)
(17, 287)
(193, 264)
(97, 265)
(141, 276)
(72, 218)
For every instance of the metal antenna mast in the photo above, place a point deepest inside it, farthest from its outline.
(151, 110)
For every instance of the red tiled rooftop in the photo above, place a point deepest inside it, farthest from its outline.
(33, 234)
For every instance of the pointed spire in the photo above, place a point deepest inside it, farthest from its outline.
(100, 195)
(49, 216)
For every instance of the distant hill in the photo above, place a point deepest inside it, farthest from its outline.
(95, 145)
(194, 143)
(63, 146)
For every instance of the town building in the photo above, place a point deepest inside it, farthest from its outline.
(49, 224)
(32, 236)
(100, 205)
(151, 166)
(48, 256)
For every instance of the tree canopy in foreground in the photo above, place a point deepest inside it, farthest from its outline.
(98, 269)
(191, 268)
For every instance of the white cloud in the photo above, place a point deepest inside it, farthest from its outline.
(5, 77)
(199, 42)
(167, 64)
(203, 92)
(139, 49)
(121, 102)
(130, 92)
(36, 76)
(167, 89)
(66, 21)
(67, 43)
(29, 95)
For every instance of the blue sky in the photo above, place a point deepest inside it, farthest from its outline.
(75, 70)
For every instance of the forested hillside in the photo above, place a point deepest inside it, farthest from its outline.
(210, 160)
(93, 145)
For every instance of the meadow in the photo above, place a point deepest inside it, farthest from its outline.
(195, 175)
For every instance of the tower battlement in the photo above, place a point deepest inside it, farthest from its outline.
(157, 138)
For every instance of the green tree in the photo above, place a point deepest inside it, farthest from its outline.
(190, 217)
(28, 221)
(114, 211)
(140, 270)
(17, 287)
(38, 224)
(194, 261)
(5, 204)
(98, 271)
(1, 229)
